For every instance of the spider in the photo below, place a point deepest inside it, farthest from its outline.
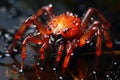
(66, 31)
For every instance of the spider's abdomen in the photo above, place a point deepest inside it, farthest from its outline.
(67, 24)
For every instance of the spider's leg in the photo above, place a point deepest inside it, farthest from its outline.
(18, 35)
(96, 28)
(69, 51)
(42, 55)
(60, 50)
(98, 47)
(48, 9)
(58, 57)
(32, 20)
(107, 37)
(42, 50)
(26, 40)
(86, 37)
(90, 12)
(23, 28)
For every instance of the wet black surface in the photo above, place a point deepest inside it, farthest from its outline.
(14, 12)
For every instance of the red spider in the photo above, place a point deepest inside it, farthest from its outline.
(66, 30)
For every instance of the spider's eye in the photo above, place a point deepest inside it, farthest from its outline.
(49, 28)
(59, 36)
(65, 31)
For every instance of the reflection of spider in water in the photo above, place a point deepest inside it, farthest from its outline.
(66, 31)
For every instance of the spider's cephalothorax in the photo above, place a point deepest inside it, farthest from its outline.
(66, 30)
(67, 24)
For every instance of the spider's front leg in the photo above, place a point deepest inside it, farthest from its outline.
(32, 20)
(69, 51)
(59, 53)
(35, 40)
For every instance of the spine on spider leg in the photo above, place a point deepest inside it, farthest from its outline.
(59, 53)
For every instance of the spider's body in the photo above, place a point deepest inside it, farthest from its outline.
(66, 29)
(67, 24)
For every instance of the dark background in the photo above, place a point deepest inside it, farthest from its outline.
(14, 12)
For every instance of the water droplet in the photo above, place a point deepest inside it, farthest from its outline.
(33, 57)
(21, 70)
(39, 43)
(94, 28)
(92, 19)
(14, 66)
(54, 69)
(107, 76)
(45, 13)
(71, 14)
(7, 54)
(50, 5)
(94, 72)
(91, 44)
(1, 55)
(15, 50)
(96, 34)
(87, 41)
(72, 54)
(34, 26)
(61, 78)
(76, 24)
(38, 63)
(67, 12)
(54, 25)
(36, 31)
(76, 15)
(115, 63)
(41, 68)
(8, 36)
